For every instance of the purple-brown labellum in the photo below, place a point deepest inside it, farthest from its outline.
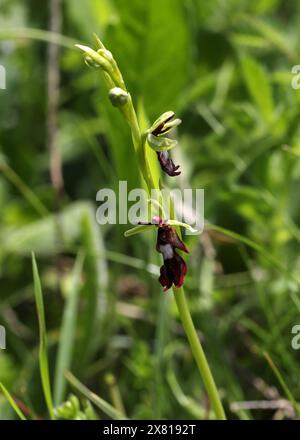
(173, 271)
(167, 164)
(174, 268)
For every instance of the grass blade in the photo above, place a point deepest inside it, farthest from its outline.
(37, 34)
(258, 85)
(96, 400)
(68, 327)
(43, 356)
(24, 189)
(189, 404)
(283, 384)
(12, 402)
(95, 288)
(257, 247)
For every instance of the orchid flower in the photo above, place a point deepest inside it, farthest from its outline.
(174, 268)
(161, 144)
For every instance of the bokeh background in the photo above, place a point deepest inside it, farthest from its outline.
(224, 67)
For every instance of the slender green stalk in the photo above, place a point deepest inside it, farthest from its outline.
(43, 356)
(28, 194)
(105, 407)
(283, 384)
(115, 393)
(198, 353)
(12, 402)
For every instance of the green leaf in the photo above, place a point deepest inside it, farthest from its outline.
(44, 236)
(43, 356)
(259, 88)
(277, 37)
(94, 293)
(89, 15)
(257, 247)
(67, 333)
(138, 229)
(150, 44)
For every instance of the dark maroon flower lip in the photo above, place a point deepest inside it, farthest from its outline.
(172, 272)
(167, 164)
(174, 269)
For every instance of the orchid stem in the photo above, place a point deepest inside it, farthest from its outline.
(198, 352)
(187, 322)
(113, 78)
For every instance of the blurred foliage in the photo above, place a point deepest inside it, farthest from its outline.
(225, 68)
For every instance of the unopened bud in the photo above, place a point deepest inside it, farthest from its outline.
(90, 62)
(118, 97)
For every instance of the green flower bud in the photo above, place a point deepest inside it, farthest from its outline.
(118, 97)
(90, 62)
(104, 59)
(95, 59)
(106, 54)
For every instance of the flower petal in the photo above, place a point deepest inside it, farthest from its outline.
(159, 123)
(184, 225)
(173, 271)
(138, 229)
(163, 279)
(168, 235)
(167, 165)
(160, 143)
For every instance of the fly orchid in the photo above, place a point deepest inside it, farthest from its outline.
(174, 269)
(161, 144)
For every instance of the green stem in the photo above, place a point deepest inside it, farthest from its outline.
(139, 141)
(198, 353)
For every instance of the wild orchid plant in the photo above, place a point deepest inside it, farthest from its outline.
(174, 268)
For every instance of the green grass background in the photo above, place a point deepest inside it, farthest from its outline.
(224, 67)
